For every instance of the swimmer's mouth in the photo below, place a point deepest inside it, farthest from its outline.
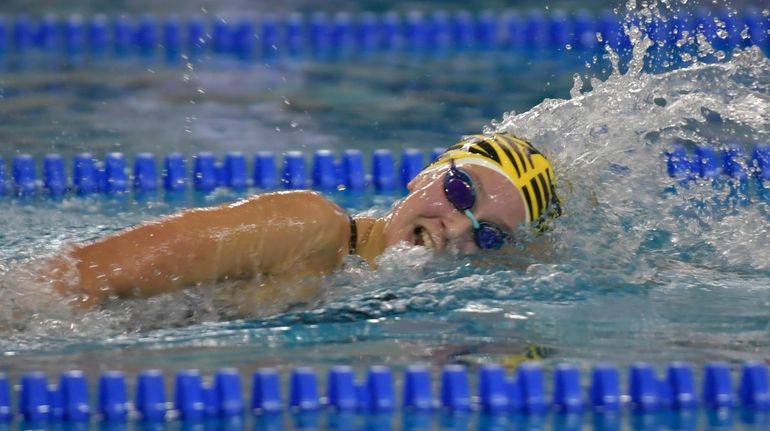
(422, 238)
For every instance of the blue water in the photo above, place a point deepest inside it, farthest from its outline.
(639, 267)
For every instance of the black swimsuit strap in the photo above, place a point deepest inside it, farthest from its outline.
(353, 236)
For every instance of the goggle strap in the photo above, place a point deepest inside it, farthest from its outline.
(474, 220)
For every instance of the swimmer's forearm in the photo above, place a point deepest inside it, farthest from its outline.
(149, 259)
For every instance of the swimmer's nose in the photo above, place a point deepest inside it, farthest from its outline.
(459, 231)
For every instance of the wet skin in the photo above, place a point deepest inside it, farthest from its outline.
(274, 241)
(425, 217)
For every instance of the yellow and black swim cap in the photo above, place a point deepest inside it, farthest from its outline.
(528, 169)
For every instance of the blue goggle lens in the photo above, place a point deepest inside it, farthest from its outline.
(459, 190)
(489, 236)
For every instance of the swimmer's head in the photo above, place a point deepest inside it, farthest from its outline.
(518, 161)
(475, 195)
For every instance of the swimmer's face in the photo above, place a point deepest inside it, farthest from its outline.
(426, 218)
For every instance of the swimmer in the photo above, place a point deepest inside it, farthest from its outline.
(273, 245)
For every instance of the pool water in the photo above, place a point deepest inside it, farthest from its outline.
(641, 267)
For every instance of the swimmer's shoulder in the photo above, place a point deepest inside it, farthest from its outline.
(321, 226)
(294, 211)
(299, 202)
(308, 212)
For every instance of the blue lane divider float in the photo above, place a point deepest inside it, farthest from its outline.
(321, 34)
(150, 400)
(73, 390)
(146, 175)
(113, 402)
(418, 394)
(604, 391)
(188, 396)
(495, 392)
(341, 388)
(264, 171)
(731, 166)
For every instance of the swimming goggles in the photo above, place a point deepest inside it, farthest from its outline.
(460, 192)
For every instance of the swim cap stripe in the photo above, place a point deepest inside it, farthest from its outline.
(516, 159)
(482, 152)
(509, 154)
(538, 196)
(489, 150)
(518, 163)
(521, 158)
(517, 145)
(545, 188)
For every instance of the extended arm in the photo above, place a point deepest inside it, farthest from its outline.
(277, 235)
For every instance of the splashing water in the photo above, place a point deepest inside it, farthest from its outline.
(640, 266)
(608, 144)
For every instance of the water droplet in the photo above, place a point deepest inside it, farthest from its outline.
(568, 46)
(722, 33)
(634, 88)
(577, 86)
